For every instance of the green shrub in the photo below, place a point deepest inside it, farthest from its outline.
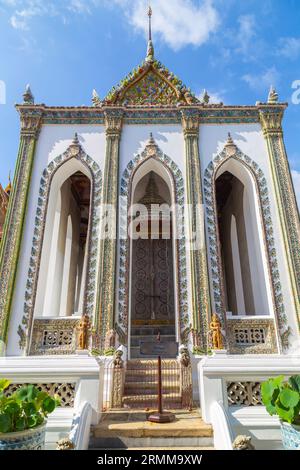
(26, 408)
(282, 398)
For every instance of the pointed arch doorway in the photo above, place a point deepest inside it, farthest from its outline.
(152, 289)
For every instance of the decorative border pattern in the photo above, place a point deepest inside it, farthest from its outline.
(268, 346)
(208, 113)
(211, 217)
(153, 151)
(73, 151)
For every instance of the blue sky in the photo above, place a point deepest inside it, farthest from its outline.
(65, 48)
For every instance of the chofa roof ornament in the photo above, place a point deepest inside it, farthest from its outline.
(28, 97)
(273, 96)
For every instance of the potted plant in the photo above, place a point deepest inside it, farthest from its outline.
(23, 417)
(282, 398)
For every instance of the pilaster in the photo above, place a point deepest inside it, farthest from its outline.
(271, 122)
(31, 119)
(105, 321)
(198, 257)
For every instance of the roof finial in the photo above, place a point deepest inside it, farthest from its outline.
(150, 16)
(273, 96)
(28, 97)
(150, 49)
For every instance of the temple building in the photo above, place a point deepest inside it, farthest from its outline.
(219, 271)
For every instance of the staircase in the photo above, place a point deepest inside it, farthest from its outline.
(141, 382)
(121, 429)
(148, 332)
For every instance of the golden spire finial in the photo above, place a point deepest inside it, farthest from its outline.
(150, 49)
(150, 16)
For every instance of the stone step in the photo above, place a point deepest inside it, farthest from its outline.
(137, 339)
(131, 430)
(149, 389)
(148, 400)
(135, 354)
(137, 374)
(150, 363)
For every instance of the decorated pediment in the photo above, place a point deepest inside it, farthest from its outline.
(150, 84)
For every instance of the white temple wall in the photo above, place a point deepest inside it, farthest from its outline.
(53, 141)
(249, 139)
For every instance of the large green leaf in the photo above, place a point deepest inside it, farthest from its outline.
(289, 398)
(48, 405)
(27, 393)
(12, 408)
(4, 383)
(20, 424)
(285, 414)
(29, 408)
(5, 422)
(294, 381)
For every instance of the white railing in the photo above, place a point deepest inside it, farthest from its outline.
(250, 418)
(84, 372)
(223, 432)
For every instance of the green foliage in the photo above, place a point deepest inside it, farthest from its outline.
(197, 351)
(282, 398)
(26, 408)
(109, 351)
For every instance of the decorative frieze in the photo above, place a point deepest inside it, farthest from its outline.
(231, 151)
(91, 290)
(142, 114)
(244, 393)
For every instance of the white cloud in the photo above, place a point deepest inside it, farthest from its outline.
(18, 23)
(246, 33)
(261, 82)
(177, 22)
(296, 179)
(80, 6)
(289, 48)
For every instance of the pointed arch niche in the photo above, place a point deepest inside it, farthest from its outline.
(63, 269)
(244, 271)
(247, 290)
(62, 277)
(153, 164)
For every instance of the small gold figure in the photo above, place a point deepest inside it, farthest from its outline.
(65, 444)
(82, 332)
(215, 332)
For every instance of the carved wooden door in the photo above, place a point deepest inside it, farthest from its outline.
(152, 280)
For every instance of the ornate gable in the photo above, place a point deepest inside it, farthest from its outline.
(150, 84)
